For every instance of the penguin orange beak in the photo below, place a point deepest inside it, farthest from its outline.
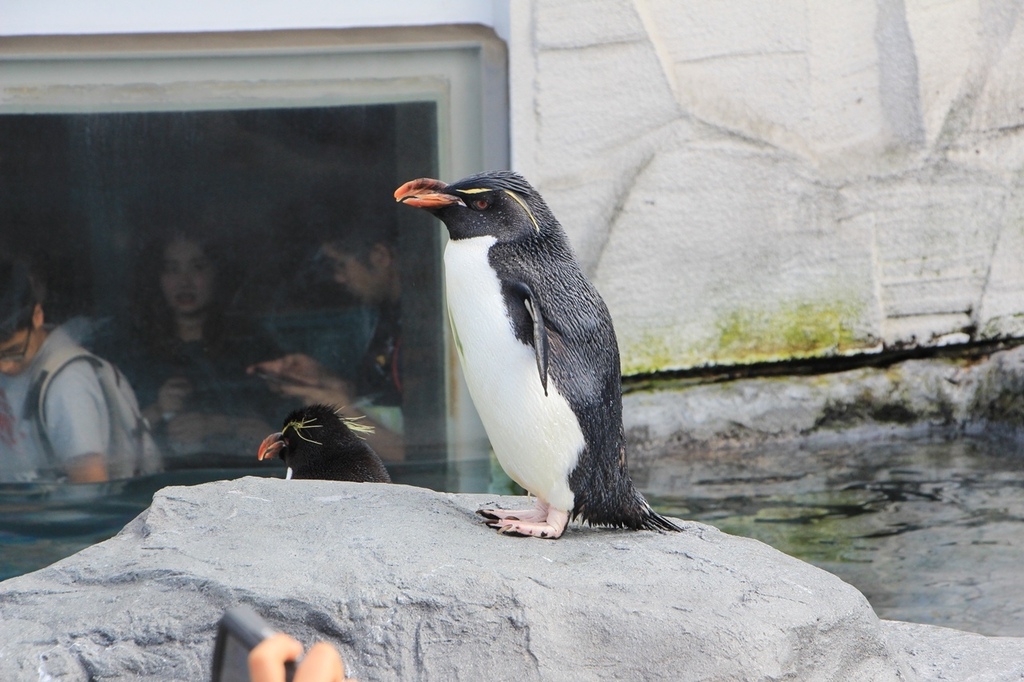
(270, 446)
(426, 193)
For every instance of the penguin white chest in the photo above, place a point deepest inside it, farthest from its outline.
(536, 437)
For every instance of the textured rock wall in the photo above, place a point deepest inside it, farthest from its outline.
(763, 181)
(978, 396)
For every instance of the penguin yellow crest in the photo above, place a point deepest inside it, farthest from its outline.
(519, 200)
(536, 227)
(355, 423)
(300, 426)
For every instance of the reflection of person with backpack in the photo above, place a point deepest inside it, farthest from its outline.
(64, 413)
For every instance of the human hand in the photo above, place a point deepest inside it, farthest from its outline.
(294, 368)
(300, 376)
(321, 664)
(335, 393)
(172, 395)
(90, 468)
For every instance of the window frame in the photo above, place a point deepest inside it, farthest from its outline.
(462, 69)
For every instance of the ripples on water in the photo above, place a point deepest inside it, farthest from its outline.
(43, 523)
(40, 523)
(930, 532)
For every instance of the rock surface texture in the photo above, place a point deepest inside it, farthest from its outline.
(760, 181)
(942, 397)
(411, 585)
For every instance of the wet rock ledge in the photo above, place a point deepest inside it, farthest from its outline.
(970, 395)
(410, 585)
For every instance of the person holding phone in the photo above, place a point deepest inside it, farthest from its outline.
(321, 664)
(186, 349)
(366, 264)
(247, 648)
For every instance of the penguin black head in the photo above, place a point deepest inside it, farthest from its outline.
(497, 203)
(316, 442)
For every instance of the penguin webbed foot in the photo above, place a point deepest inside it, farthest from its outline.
(535, 515)
(549, 530)
(508, 531)
(543, 521)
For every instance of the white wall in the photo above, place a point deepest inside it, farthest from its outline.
(751, 181)
(58, 17)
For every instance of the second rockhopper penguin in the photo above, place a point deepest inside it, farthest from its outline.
(317, 442)
(539, 354)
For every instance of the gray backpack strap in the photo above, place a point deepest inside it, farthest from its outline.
(38, 400)
(129, 429)
(35, 403)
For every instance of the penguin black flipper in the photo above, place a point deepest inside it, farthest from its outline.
(582, 364)
(531, 304)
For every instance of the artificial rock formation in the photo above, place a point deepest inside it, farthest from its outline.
(411, 585)
(945, 397)
(756, 182)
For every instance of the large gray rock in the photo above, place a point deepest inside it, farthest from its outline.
(935, 653)
(410, 585)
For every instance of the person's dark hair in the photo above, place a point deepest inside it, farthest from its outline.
(345, 223)
(22, 289)
(152, 315)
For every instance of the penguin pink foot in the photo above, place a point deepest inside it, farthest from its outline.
(537, 514)
(543, 521)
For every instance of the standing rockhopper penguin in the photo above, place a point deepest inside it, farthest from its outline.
(539, 354)
(317, 442)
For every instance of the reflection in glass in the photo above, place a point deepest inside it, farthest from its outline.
(186, 352)
(193, 247)
(254, 156)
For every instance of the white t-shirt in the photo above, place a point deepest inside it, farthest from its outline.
(77, 415)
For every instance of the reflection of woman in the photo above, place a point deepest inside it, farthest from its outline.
(189, 356)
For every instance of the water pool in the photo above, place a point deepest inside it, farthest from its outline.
(930, 532)
(43, 523)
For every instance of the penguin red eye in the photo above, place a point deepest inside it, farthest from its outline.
(481, 204)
